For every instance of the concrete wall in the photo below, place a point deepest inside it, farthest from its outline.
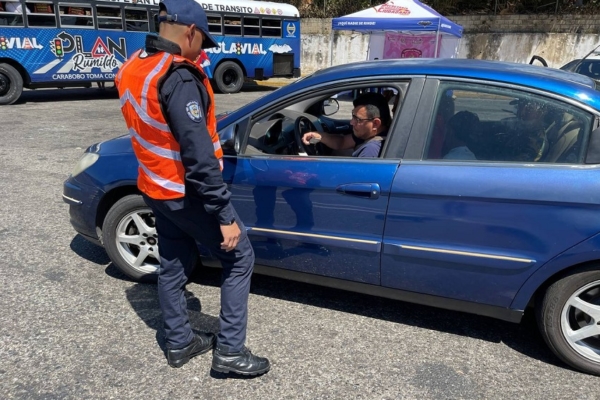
(515, 38)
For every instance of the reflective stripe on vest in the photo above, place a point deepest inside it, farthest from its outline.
(161, 174)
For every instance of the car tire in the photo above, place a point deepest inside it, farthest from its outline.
(229, 77)
(11, 84)
(568, 317)
(130, 239)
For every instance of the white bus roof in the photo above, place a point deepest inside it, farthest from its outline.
(235, 6)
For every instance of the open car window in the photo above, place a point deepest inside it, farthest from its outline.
(329, 112)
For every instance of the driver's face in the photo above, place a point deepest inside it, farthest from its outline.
(364, 127)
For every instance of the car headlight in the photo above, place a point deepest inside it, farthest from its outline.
(86, 161)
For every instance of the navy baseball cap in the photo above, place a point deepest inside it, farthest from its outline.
(187, 12)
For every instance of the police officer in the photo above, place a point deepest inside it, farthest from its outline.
(169, 108)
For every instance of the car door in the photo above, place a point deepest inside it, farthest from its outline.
(321, 215)
(489, 191)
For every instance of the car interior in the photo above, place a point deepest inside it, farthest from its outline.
(511, 126)
(280, 131)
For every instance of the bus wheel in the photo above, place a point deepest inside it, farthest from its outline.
(11, 84)
(229, 77)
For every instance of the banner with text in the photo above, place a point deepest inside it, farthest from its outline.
(402, 45)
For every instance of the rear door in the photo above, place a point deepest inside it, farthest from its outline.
(492, 186)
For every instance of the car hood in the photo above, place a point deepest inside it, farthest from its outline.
(119, 145)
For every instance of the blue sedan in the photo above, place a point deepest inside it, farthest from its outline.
(485, 197)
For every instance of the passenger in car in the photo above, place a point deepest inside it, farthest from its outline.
(460, 131)
(529, 141)
(394, 95)
(370, 122)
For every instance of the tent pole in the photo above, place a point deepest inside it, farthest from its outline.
(437, 40)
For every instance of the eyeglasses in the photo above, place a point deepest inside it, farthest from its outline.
(361, 120)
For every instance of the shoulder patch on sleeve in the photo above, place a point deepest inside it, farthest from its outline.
(193, 111)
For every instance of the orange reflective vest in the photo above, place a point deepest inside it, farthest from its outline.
(161, 174)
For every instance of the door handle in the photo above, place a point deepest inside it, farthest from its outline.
(366, 190)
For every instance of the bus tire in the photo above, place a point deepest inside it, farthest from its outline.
(11, 84)
(229, 77)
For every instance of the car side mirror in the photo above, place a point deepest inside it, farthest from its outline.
(230, 142)
(330, 106)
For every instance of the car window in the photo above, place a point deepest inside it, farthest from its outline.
(329, 112)
(486, 123)
(569, 66)
(589, 68)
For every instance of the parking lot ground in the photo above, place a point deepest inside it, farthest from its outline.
(73, 327)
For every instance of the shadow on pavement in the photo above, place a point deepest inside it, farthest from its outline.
(67, 94)
(523, 338)
(143, 298)
(89, 251)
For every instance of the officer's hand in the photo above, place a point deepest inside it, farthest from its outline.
(231, 236)
(311, 135)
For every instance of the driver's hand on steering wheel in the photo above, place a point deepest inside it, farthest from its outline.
(311, 138)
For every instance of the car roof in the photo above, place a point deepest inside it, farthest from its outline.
(564, 83)
(486, 69)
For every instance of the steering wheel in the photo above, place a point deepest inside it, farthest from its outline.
(302, 126)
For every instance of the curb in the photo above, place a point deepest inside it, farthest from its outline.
(276, 82)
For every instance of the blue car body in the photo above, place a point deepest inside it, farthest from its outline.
(482, 237)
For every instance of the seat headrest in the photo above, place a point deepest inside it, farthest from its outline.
(567, 117)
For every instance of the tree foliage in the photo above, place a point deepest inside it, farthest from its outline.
(336, 8)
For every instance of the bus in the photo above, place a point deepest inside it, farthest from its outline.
(65, 43)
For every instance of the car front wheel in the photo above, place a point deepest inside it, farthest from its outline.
(569, 319)
(130, 239)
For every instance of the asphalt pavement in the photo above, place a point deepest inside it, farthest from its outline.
(73, 327)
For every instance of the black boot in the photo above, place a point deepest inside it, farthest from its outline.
(243, 362)
(200, 344)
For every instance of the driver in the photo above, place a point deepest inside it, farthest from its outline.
(370, 122)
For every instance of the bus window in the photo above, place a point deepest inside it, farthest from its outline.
(41, 14)
(75, 30)
(233, 25)
(251, 26)
(79, 16)
(136, 20)
(11, 13)
(271, 27)
(109, 18)
(214, 24)
(156, 23)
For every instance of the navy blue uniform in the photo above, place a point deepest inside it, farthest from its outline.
(183, 224)
(371, 149)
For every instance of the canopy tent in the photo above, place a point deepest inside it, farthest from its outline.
(404, 29)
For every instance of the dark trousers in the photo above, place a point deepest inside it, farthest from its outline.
(179, 234)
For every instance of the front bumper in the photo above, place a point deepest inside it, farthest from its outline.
(83, 201)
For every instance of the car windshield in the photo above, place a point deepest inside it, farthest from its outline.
(589, 68)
